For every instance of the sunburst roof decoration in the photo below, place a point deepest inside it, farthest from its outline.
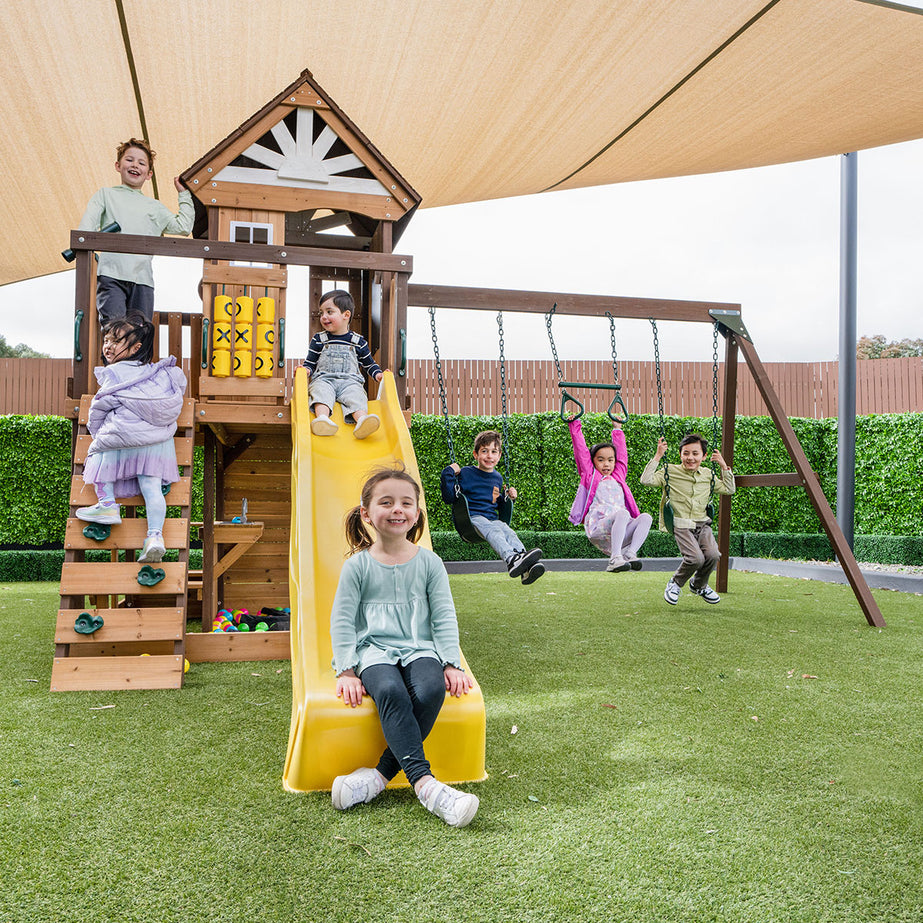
(300, 153)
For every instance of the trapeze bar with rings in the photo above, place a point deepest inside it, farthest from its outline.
(568, 398)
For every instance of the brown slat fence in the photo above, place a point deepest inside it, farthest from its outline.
(807, 389)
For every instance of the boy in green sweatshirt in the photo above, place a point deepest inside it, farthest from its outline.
(125, 281)
(690, 492)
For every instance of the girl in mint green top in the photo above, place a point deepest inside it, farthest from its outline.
(395, 639)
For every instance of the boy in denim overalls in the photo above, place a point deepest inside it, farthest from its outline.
(333, 361)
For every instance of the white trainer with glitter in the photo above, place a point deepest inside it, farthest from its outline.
(456, 808)
(105, 515)
(359, 787)
(153, 550)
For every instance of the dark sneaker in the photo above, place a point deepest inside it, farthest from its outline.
(671, 593)
(617, 564)
(533, 573)
(707, 593)
(523, 561)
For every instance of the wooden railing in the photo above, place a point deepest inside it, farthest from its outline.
(806, 389)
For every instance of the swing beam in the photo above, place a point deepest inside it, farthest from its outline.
(737, 339)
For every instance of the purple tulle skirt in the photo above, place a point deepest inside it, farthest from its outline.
(121, 467)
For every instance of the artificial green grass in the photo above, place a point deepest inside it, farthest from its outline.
(759, 760)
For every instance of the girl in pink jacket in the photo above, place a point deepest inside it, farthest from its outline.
(133, 420)
(604, 503)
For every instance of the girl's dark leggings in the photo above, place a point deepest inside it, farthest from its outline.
(408, 699)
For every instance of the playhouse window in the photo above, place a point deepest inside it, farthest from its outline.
(246, 232)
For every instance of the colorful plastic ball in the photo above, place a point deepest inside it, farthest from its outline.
(185, 665)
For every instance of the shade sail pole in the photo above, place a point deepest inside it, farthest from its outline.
(846, 404)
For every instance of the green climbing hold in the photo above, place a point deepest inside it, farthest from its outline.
(86, 624)
(151, 576)
(97, 531)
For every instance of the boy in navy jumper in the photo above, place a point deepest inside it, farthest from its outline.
(482, 486)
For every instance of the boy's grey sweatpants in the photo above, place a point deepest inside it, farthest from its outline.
(700, 555)
(498, 535)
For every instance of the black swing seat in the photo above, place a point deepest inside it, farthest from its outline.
(668, 515)
(461, 517)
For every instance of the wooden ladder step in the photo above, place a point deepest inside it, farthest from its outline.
(130, 534)
(136, 625)
(88, 578)
(160, 671)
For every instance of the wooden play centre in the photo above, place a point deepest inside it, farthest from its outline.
(297, 184)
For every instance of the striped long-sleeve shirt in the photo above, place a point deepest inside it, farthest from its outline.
(357, 342)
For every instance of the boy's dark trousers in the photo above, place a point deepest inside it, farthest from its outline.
(700, 555)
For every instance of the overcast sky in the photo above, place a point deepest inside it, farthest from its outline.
(767, 239)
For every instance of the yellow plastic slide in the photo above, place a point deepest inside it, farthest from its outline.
(327, 738)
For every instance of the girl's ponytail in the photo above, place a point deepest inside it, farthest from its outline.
(357, 536)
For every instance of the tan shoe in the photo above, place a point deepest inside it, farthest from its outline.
(366, 426)
(323, 426)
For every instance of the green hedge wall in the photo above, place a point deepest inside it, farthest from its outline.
(35, 471)
(35, 468)
(889, 493)
(35, 465)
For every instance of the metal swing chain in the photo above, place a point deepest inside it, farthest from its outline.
(554, 351)
(445, 406)
(663, 431)
(714, 398)
(615, 355)
(507, 467)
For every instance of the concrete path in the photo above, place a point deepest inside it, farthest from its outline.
(828, 573)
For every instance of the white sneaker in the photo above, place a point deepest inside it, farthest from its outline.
(104, 515)
(633, 561)
(359, 787)
(456, 808)
(366, 426)
(153, 549)
(707, 593)
(617, 564)
(671, 593)
(323, 426)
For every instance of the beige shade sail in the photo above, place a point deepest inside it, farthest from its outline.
(468, 100)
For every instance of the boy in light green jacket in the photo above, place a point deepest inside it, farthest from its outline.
(690, 490)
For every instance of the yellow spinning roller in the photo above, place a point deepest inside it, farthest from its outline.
(326, 738)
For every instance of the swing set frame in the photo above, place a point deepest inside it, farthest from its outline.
(737, 341)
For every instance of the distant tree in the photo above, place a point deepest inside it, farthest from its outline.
(877, 347)
(21, 351)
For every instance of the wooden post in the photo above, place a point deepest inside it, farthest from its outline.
(809, 479)
(85, 310)
(209, 609)
(399, 306)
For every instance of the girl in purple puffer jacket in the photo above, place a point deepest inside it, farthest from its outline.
(132, 420)
(604, 504)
